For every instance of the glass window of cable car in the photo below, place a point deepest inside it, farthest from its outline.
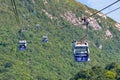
(22, 45)
(81, 49)
(44, 39)
(80, 57)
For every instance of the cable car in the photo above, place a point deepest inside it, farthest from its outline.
(44, 39)
(81, 51)
(38, 26)
(22, 45)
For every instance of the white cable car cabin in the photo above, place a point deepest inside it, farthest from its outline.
(81, 51)
(22, 45)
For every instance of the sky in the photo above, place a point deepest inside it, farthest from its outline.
(100, 4)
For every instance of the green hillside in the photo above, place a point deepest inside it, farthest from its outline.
(110, 72)
(53, 60)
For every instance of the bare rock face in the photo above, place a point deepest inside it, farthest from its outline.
(48, 14)
(71, 18)
(102, 15)
(100, 46)
(117, 25)
(93, 23)
(108, 34)
(33, 1)
(88, 12)
(45, 2)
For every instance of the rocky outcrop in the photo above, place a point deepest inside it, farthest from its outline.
(45, 2)
(88, 12)
(117, 25)
(102, 15)
(48, 14)
(71, 18)
(100, 46)
(33, 1)
(108, 34)
(93, 23)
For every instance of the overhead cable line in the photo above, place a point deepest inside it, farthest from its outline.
(15, 11)
(112, 11)
(18, 21)
(104, 8)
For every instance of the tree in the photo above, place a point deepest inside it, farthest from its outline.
(110, 75)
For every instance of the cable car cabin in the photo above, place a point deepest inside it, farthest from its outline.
(81, 51)
(22, 45)
(38, 26)
(44, 39)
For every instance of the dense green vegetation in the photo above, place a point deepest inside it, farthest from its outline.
(110, 72)
(53, 60)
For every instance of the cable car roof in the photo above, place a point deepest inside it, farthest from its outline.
(44, 37)
(22, 41)
(77, 43)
